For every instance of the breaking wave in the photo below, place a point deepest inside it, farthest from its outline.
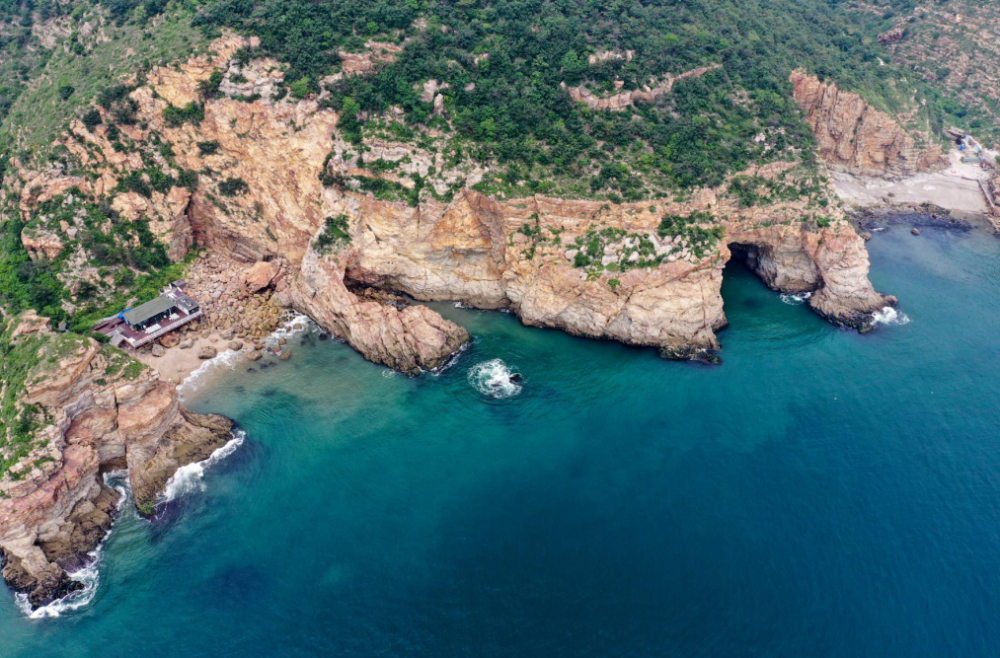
(795, 298)
(190, 479)
(90, 575)
(494, 378)
(890, 316)
(225, 359)
(294, 323)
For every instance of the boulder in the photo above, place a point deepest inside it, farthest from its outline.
(256, 355)
(207, 352)
(236, 345)
(286, 355)
(159, 350)
(186, 344)
(170, 340)
(261, 275)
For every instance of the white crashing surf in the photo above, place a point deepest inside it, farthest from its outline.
(890, 316)
(493, 378)
(190, 479)
(292, 324)
(796, 298)
(90, 575)
(225, 359)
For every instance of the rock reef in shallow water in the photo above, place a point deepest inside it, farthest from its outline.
(94, 409)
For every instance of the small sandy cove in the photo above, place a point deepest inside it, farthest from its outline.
(177, 363)
(954, 188)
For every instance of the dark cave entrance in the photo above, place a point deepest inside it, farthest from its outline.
(745, 286)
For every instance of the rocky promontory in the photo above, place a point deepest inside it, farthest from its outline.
(280, 200)
(854, 137)
(74, 410)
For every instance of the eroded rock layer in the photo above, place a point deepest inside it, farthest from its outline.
(279, 174)
(854, 137)
(94, 409)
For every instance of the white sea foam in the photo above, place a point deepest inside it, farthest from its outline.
(293, 323)
(795, 298)
(190, 479)
(227, 359)
(90, 575)
(890, 316)
(493, 378)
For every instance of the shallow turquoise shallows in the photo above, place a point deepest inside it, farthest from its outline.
(821, 493)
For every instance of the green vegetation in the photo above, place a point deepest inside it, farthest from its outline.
(133, 263)
(208, 148)
(628, 250)
(233, 187)
(120, 363)
(510, 107)
(17, 422)
(335, 233)
(42, 88)
(699, 238)
(755, 190)
(178, 116)
(24, 361)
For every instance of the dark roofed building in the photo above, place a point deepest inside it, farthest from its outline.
(145, 323)
(149, 313)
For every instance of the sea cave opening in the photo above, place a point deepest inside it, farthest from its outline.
(744, 281)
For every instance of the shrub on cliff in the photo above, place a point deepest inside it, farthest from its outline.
(91, 118)
(233, 186)
(335, 233)
(178, 116)
(700, 239)
(208, 148)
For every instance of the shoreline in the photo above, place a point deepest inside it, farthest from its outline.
(181, 366)
(954, 190)
(177, 364)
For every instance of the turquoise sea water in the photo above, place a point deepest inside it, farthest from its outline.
(819, 494)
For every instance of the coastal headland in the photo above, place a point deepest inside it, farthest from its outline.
(279, 226)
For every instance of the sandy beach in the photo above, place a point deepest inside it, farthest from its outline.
(177, 364)
(954, 188)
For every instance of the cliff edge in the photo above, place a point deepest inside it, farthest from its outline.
(73, 410)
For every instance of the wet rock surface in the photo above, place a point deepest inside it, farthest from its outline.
(103, 410)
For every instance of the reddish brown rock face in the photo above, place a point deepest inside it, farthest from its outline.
(854, 137)
(102, 414)
(475, 248)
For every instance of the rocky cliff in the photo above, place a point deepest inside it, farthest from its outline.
(73, 411)
(281, 183)
(854, 137)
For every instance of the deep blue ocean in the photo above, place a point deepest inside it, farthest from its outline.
(821, 493)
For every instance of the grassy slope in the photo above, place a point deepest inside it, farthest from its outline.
(90, 64)
(952, 50)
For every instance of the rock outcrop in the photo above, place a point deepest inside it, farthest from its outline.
(854, 137)
(529, 255)
(95, 409)
(625, 99)
(410, 339)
